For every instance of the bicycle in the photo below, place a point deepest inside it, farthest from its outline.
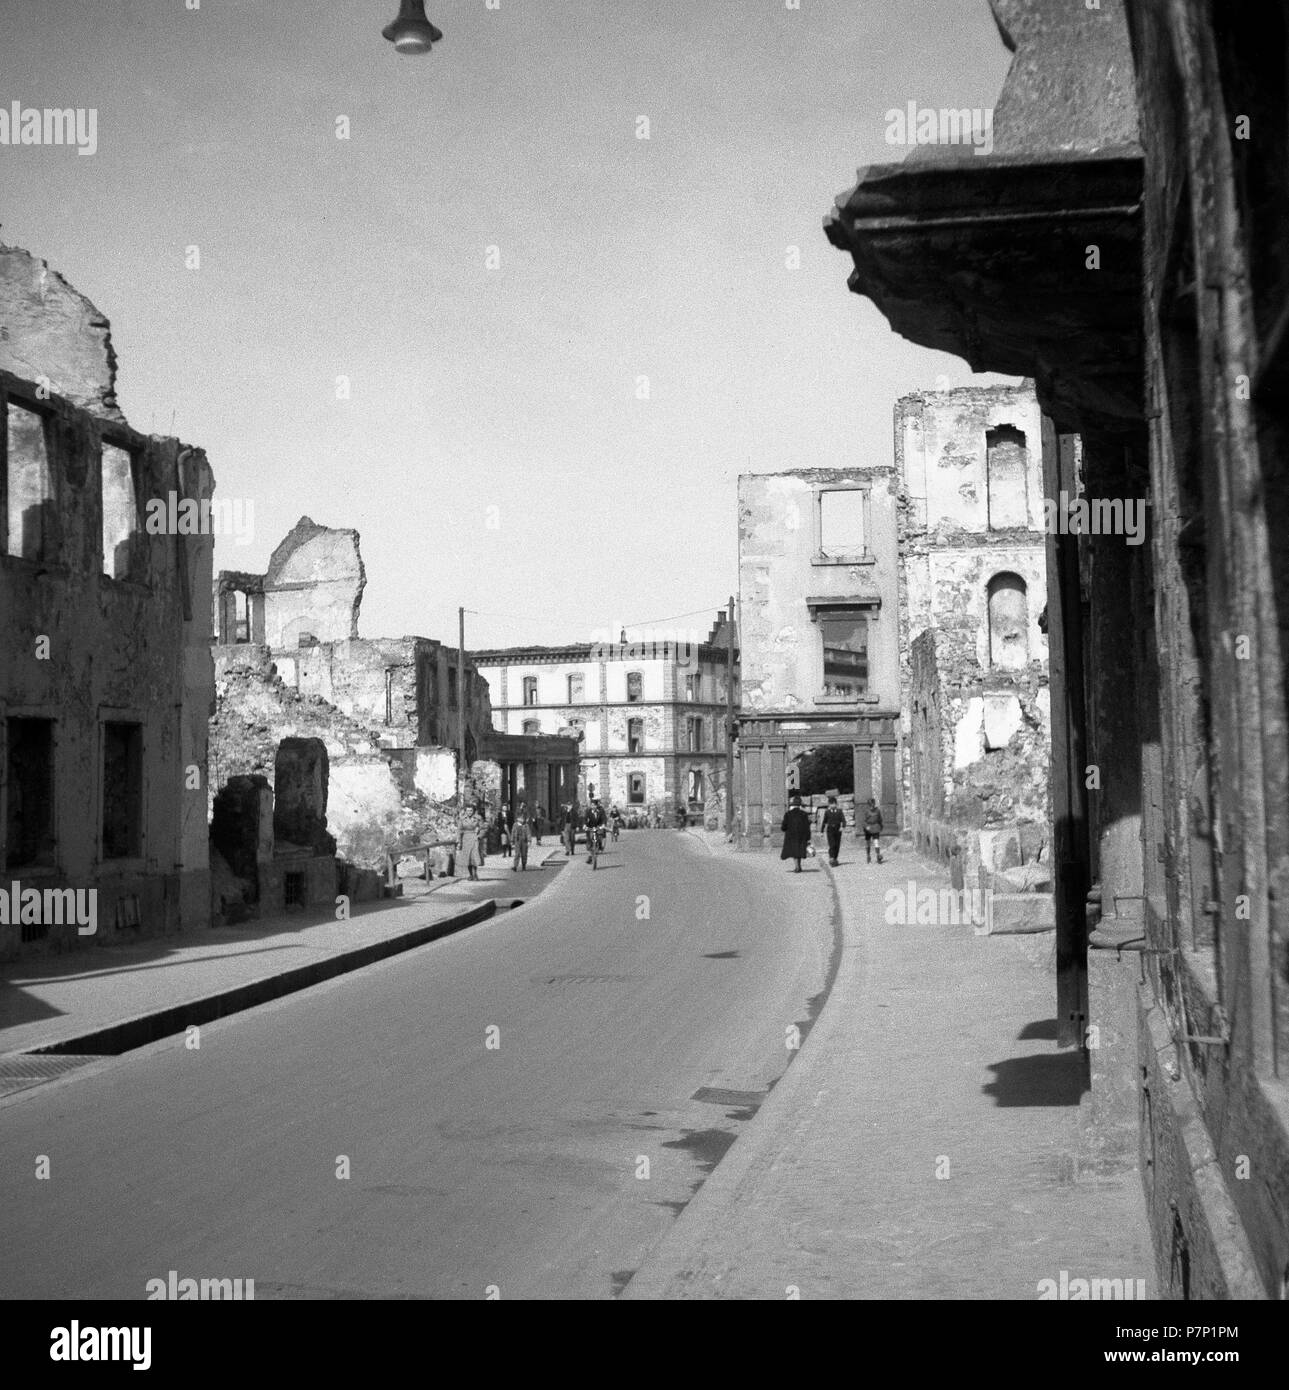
(594, 843)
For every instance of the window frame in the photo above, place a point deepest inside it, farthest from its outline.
(8, 712)
(139, 559)
(862, 556)
(50, 541)
(868, 609)
(125, 863)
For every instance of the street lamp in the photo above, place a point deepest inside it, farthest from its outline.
(411, 32)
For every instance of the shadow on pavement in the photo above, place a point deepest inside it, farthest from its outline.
(1059, 1078)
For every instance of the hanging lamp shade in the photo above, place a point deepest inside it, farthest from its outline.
(411, 32)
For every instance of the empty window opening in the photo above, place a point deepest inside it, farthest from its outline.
(532, 726)
(122, 791)
(841, 522)
(845, 646)
(636, 788)
(29, 486)
(694, 734)
(1006, 477)
(29, 813)
(293, 890)
(1008, 622)
(530, 690)
(695, 786)
(576, 688)
(635, 687)
(635, 735)
(122, 534)
(693, 687)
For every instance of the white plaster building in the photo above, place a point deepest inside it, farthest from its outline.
(650, 714)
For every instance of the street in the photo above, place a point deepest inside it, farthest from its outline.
(514, 1106)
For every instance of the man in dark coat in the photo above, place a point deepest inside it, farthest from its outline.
(796, 833)
(873, 830)
(519, 835)
(834, 822)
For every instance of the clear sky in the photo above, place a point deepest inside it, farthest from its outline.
(493, 451)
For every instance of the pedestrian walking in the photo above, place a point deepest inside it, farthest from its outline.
(568, 829)
(834, 822)
(873, 830)
(539, 824)
(519, 835)
(796, 833)
(468, 843)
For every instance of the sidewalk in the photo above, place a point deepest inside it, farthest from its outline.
(105, 999)
(923, 1143)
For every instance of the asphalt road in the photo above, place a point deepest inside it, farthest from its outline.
(546, 1165)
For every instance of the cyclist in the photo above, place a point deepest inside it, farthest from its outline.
(616, 819)
(594, 827)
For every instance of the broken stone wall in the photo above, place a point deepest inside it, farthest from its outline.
(377, 795)
(116, 659)
(976, 711)
(381, 682)
(300, 783)
(314, 586)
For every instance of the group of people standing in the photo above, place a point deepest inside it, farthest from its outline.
(513, 831)
(796, 829)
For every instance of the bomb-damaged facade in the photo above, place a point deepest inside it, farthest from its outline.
(819, 619)
(106, 684)
(975, 703)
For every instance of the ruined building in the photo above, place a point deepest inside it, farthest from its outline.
(289, 664)
(973, 655)
(819, 620)
(649, 715)
(106, 681)
(1124, 245)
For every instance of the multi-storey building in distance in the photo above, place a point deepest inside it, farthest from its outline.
(650, 714)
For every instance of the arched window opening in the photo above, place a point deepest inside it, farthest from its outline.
(1008, 622)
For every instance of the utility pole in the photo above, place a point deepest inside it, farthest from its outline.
(729, 720)
(461, 767)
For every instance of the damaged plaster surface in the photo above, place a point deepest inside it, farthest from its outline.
(314, 586)
(383, 710)
(782, 565)
(976, 711)
(105, 631)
